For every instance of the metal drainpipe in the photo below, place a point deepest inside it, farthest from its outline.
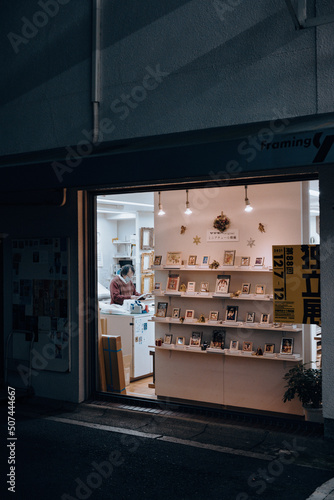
(96, 67)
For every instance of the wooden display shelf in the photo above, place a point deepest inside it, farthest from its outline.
(227, 324)
(206, 269)
(223, 352)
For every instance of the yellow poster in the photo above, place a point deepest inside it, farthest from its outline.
(296, 284)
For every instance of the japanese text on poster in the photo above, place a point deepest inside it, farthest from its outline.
(296, 284)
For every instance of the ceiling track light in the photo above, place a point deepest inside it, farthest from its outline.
(187, 210)
(248, 207)
(161, 211)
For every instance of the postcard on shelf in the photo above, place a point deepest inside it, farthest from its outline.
(174, 259)
(229, 257)
(231, 313)
(222, 284)
(173, 282)
(162, 309)
(245, 261)
(189, 315)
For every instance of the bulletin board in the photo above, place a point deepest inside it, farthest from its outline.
(40, 302)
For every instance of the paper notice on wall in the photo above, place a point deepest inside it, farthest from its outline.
(296, 284)
(228, 235)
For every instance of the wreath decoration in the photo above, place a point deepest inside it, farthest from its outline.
(221, 222)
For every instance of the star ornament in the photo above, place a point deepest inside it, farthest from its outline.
(197, 240)
(251, 242)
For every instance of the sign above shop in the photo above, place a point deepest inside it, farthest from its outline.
(296, 284)
(228, 235)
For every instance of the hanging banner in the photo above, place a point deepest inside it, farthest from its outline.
(296, 284)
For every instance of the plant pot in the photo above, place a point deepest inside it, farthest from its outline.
(313, 415)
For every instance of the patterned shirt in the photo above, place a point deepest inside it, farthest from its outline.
(119, 290)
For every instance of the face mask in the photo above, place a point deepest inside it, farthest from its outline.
(127, 279)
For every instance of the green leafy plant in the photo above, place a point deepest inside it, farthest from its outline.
(306, 384)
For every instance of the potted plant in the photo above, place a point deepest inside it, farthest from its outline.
(306, 384)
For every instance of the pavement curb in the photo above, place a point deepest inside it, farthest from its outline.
(323, 491)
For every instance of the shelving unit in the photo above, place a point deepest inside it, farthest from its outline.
(228, 378)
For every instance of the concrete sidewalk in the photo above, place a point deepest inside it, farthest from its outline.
(294, 445)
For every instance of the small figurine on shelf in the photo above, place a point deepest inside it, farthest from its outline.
(182, 319)
(201, 318)
(259, 351)
(214, 265)
(236, 294)
(183, 287)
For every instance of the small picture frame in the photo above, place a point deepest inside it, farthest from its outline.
(162, 309)
(214, 315)
(157, 260)
(259, 261)
(192, 260)
(174, 259)
(229, 256)
(260, 289)
(250, 317)
(222, 283)
(146, 238)
(231, 313)
(204, 288)
(196, 339)
(180, 341)
(265, 318)
(173, 282)
(191, 286)
(168, 338)
(189, 315)
(205, 260)
(245, 261)
(176, 312)
(247, 346)
(286, 346)
(218, 339)
(245, 288)
(157, 286)
(234, 345)
(269, 349)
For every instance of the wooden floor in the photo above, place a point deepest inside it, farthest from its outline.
(140, 388)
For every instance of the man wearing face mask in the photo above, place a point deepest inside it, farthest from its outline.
(122, 287)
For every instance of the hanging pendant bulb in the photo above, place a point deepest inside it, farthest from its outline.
(248, 207)
(161, 211)
(187, 211)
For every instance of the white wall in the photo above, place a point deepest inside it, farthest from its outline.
(108, 230)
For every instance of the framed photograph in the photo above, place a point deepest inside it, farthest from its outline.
(231, 313)
(168, 338)
(195, 339)
(250, 317)
(213, 316)
(222, 283)
(173, 282)
(229, 256)
(147, 283)
(192, 260)
(180, 341)
(189, 315)
(247, 346)
(259, 261)
(265, 318)
(176, 312)
(146, 238)
(205, 260)
(286, 345)
(174, 259)
(146, 262)
(260, 289)
(191, 286)
(245, 288)
(269, 348)
(234, 345)
(157, 260)
(204, 286)
(162, 309)
(157, 286)
(218, 339)
(245, 261)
